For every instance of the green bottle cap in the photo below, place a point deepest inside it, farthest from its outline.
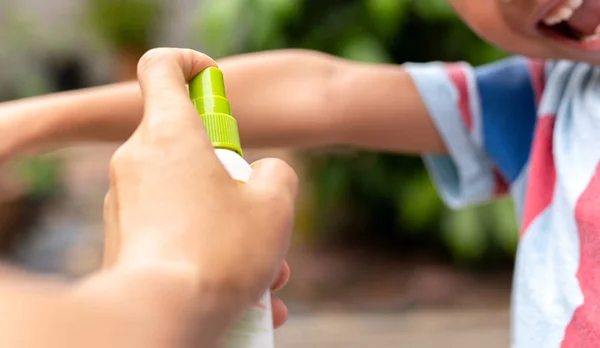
(207, 92)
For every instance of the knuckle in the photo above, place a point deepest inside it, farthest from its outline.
(240, 285)
(107, 200)
(121, 160)
(155, 55)
(274, 199)
(269, 195)
(163, 133)
(292, 178)
(275, 204)
(107, 207)
(230, 282)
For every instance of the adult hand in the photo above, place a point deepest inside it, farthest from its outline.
(173, 212)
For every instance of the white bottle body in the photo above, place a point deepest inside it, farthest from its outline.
(255, 328)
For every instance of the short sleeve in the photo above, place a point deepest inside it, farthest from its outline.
(486, 117)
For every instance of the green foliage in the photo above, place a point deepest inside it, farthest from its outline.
(41, 174)
(126, 24)
(360, 196)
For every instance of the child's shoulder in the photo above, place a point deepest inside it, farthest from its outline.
(568, 74)
(568, 81)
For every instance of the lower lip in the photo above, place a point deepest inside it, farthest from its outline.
(593, 45)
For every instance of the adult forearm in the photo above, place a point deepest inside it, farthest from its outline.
(120, 310)
(42, 313)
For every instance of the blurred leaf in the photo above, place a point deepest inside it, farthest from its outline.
(366, 49)
(434, 10)
(41, 174)
(464, 236)
(126, 24)
(418, 202)
(219, 24)
(265, 22)
(282, 10)
(505, 232)
(387, 14)
(332, 185)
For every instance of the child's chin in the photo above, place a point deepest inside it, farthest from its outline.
(590, 45)
(587, 51)
(588, 55)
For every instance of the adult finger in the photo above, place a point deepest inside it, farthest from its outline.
(275, 178)
(111, 231)
(280, 312)
(282, 278)
(273, 185)
(163, 74)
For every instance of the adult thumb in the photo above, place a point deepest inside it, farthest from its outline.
(275, 184)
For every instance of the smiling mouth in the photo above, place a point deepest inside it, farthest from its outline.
(577, 21)
(565, 31)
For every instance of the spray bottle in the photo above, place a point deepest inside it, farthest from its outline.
(207, 92)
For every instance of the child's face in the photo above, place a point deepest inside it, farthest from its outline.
(554, 29)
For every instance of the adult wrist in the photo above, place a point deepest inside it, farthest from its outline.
(175, 306)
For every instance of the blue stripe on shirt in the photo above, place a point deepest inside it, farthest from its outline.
(509, 113)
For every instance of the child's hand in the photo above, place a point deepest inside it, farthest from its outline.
(173, 209)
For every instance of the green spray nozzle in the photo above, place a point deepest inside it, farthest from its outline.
(207, 92)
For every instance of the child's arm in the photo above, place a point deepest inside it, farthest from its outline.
(109, 113)
(286, 98)
(486, 117)
(304, 98)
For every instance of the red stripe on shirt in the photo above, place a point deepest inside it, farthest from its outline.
(501, 185)
(458, 76)
(542, 174)
(538, 78)
(584, 329)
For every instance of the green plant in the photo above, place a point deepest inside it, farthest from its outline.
(126, 24)
(367, 197)
(41, 174)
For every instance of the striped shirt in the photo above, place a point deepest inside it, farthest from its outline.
(530, 129)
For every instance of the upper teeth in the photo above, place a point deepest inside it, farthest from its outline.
(562, 12)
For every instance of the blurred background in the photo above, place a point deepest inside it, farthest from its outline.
(377, 259)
